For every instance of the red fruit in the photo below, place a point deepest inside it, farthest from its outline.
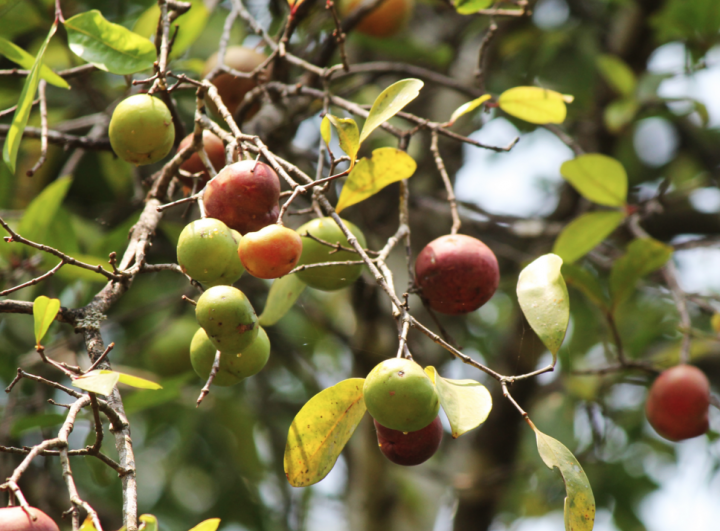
(412, 447)
(270, 252)
(215, 150)
(457, 274)
(244, 196)
(678, 401)
(16, 519)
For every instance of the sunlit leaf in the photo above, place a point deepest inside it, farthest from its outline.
(320, 431)
(369, 176)
(24, 105)
(41, 211)
(579, 500)
(88, 525)
(389, 103)
(583, 280)
(468, 7)
(148, 523)
(325, 130)
(468, 107)
(44, 312)
(466, 403)
(139, 383)
(97, 381)
(643, 256)
(208, 525)
(283, 294)
(109, 46)
(190, 24)
(544, 300)
(597, 177)
(25, 60)
(348, 135)
(534, 104)
(582, 234)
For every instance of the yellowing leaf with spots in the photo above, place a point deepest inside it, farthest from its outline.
(320, 431)
(348, 135)
(369, 176)
(535, 105)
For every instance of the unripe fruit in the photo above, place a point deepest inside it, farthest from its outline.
(207, 251)
(328, 278)
(16, 519)
(141, 130)
(235, 268)
(410, 448)
(400, 396)
(244, 196)
(678, 401)
(384, 21)
(270, 252)
(457, 274)
(228, 318)
(215, 150)
(234, 367)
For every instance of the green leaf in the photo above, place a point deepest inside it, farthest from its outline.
(579, 502)
(348, 135)
(208, 525)
(24, 105)
(44, 312)
(70, 272)
(583, 280)
(139, 383)
(191, 24)
(325, 130)
(29, 422)
(544, 300)
(617, 74)
(148, 523)
(468, 107)
(468, 7)
(389, 103)
(109, 46)
(534, 104)
(369, 176)
(466, 403)
(97, 381)
(42, 210)
(620, 113)
(643, 256)
(170, 391)
(283, 294)
(25, 60)
(596, 177)
(321, 430)
(582, 234)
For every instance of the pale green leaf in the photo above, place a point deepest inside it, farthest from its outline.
(42, 210)
(348, 135)
(44, 312)
(534, 104)
(597, 177)
(321, 430)
(619, 113)
(108, 46)
(466, 403)
(190, 24)
(369, 176)
(583, 280)
(643, 256)
(283, 294)
(579, 500)
(325, 130)
(148, 523)
(389, 103)
(98, 381)
(25, 60)
(208, 525)
(582, 234)
(23, 423)
(468, 7)
(544, 300)
(617, 74)
(468, 107)
(70, 272)
(139, 383)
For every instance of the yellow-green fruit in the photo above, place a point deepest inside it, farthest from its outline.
(332, 277)
(400, 396)
(234, 367)
(235, 268)
(166, 352)
(228, 318)
(207, 250)
(141, 130)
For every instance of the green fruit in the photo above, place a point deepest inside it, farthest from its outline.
(166, 352)
(233, 367)
(400, 396)
(228, 318)
(332, 277)
(206, 250)
(235, 268)
(141, 130)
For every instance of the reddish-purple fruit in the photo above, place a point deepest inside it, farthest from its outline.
(412, 447)
(215, 150)
(16, 519)
(678, 401)
(271, 252)
(457, 274)
(244, 196)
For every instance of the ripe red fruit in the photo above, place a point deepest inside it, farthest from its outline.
(410, 448)
(385, 20)
(457, 274)
(215, 150)
(678, 401)
(16, 519)
(244, 196)
(271, 252)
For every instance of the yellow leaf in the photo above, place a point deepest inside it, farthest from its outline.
(468, 107)
(44, 312)
(534, 104)
(208, 525)
(348, 135)
(139, 383)
(97, 381)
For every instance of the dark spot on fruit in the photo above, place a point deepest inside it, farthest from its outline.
(401, 373)
(392, 393)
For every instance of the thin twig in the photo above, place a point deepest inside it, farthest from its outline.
(213, 372)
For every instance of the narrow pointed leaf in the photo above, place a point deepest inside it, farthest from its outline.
(208, 525)
(25, 60)
(283, 294)
(582, 234)
(24, 105)
(348, 135)
(42, 211)
(190, 24)
(369, 176)
(44, 312)
(544, 300)
(389, 103)
(109, 46)
(321, 430)
(466, 403)
(325, 130)
(468, 7)
(583, 280)
(149, 522)
(469, 107)
(534, 104)
(97, 381)
(596, 177)
(579, 500)
(139, 383)
(643, 256)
